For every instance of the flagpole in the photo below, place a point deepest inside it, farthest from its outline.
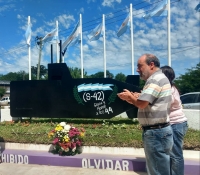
(104, 44)
(132, 43)
(29, 53)
(57, 43)
(169, 34)
(81, 37)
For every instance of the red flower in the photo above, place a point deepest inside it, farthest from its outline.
(73, 145)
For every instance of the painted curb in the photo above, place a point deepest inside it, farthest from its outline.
(112, 158)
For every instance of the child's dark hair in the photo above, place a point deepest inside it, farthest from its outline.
(169, 73)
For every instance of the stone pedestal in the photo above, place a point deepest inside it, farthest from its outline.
(5, 114)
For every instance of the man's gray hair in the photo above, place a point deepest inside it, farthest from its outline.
(152, 58)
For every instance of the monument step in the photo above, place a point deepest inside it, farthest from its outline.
(87, 160)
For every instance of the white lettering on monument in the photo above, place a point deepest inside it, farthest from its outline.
(125, 165)
(109, 164)
(122, 165)
(102, 108)
(97, 163)
(118, 166)
(84, 163)
(105, 164)
(11, 158)
(89, 165)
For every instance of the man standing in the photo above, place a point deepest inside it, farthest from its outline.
(153, 114)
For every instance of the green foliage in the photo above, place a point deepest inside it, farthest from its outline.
(76, 96)
(101, 75)
(115, 132)
(113, 96)
(190, 82)
(2, 91)
(9, 77)
(120, 77)
(43, 72)
(76, 72)
(15, 76)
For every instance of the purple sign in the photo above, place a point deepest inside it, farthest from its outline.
(94, 161)
(84, 160)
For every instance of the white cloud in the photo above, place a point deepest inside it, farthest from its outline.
(82, 10)
(66, 20)
(110, 3)
(19, 16)
(4, 8)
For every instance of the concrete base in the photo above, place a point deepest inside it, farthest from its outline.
(138, 152)
(193, 117)
(5, 115)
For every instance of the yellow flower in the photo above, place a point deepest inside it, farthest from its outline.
(82, 134)
(50, 134)
(66, 138)
(59, 128)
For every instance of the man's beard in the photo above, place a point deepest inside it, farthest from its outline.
(144, 76)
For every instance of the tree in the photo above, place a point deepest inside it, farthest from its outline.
(101, 75)
(43, 72)
(22, 75)
(2, 91)
(190, 82)
(15, 76)
(76, 72)
(120, 77)
(11, 76)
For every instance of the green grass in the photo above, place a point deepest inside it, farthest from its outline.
(116, 132)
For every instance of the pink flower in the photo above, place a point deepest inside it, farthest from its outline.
(78, 143)
(55, 141)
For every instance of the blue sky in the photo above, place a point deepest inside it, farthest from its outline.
(150, 36)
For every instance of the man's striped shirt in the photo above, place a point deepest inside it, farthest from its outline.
(157, 91)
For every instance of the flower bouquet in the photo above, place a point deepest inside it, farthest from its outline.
(67, 140)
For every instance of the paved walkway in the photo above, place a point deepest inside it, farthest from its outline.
(22, 169)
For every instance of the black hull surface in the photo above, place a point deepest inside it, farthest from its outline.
(61, 96)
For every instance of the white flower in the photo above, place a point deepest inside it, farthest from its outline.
(66, 150)
(62, 124)
(64, 131)
(67, 127)
(74, 149)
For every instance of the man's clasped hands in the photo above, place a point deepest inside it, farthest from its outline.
(128, 96)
